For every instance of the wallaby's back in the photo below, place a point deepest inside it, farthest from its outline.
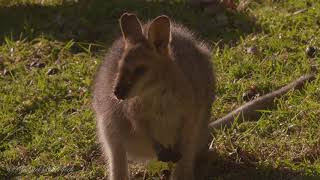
(193, 57)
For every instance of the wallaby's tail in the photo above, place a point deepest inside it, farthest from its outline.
(249, 111)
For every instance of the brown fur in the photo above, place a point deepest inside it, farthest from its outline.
(156, 86)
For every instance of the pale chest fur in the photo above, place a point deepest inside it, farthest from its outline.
(163, 115)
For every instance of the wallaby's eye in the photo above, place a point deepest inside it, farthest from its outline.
(140, 70)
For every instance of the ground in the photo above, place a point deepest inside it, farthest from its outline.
(49, 51)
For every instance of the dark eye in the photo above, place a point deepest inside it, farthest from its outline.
(140, 71)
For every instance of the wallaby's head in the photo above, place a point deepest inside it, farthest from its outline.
(145, 56)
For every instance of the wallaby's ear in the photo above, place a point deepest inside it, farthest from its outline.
(130, 27)
(159, 33)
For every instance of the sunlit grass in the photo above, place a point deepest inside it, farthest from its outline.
(49, 54)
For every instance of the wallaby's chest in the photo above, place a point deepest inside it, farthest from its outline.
(166, 123)
(163, 117)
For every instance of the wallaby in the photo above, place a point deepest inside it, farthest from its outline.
(152, 97)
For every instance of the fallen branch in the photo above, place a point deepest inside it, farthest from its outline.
(250, 110)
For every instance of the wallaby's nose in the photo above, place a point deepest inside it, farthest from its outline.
(121, 92)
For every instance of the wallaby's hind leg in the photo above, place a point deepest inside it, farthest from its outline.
(193, 164)
(202, 156)
(184, 169)
(192, 143)
(202, 165)
(113, 148)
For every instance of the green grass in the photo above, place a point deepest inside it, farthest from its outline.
(49, 52)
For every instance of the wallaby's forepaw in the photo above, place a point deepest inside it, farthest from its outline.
(167, 154)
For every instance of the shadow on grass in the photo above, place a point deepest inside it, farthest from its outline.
(226, 168)
(96, 21)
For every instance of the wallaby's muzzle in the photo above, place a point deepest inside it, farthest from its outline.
(121, 90)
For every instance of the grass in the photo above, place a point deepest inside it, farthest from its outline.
(49, 51)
